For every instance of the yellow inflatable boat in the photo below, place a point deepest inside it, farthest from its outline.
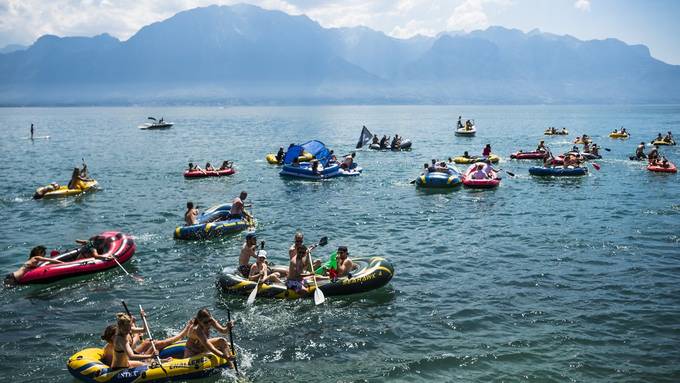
(86, 365)
(618, 135)
(472, 159)
(305, 157)
(53, 190)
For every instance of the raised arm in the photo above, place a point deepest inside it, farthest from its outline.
(49, 260)
(222, 329)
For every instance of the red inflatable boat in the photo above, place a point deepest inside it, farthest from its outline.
(212, 173)
(537, 155)
(110, 243)
(658, 168)
(487, 183)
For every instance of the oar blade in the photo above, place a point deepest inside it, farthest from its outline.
(252, 296)
(596, 166)
(323, 241)
(319, 298)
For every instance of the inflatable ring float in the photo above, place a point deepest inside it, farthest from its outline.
(86, 365)
(369, 274)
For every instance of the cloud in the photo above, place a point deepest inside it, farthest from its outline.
(471, 14)
(582, 5)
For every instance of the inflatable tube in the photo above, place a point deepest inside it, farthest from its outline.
(304, 170)
(662, 142)
(535, 155)
(305, 157)
(370, 274)
(557, 133)
(86, 365)
(470, 182)
(63, 191)
(471, 160)
(660, 169)
(580, 141)
(619, 135)
(449, 179)
(466, 132)
(558, 171)
(212, 223)
(205, 173)
(116, 244)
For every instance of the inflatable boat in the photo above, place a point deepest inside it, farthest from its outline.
(663, 142)
(448, 179)
(50, 191)
(562, 132)
(471, 160)
(109, 243)
(671, 168)
(87, 366)
(466, 132)
(405, 145)
(214, 222)
(304, 170)
(369, 274)
(535, 155)
(487, 183)
(618, 135)
(558, 171)
(271, 158)
(206, 173)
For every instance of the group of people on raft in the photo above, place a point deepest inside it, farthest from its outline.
(668, 138)
(253, 265)
(468, 124)
(383, 142)
(621, 131)
(79, 177)
(125, 347)
(552, 130)
(653, 156)
(209, 168)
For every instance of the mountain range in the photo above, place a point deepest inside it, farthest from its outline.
(243, 54)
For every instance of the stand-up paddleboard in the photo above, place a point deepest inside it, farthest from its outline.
(37, 138)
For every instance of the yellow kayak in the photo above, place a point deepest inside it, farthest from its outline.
(49, 191)
(619, 135)
(305, 157)
(471, 160)
(86, 365)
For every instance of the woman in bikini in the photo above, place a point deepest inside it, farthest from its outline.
(123, 354)
(36, 257)
(199, 340)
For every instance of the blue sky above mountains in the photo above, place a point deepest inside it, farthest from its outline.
(653, 23)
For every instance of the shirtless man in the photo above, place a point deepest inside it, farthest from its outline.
(36, 257)
(191, 215)
(640, 151)
(92, 247)
(338, 266)
(247, 252)
(198, 337)
(299, 241)
(298, 264)
(541, 147)
(237, 210)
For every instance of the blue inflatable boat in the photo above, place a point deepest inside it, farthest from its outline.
(214, 222)
(558, 171)
(304, 170)
(449, 179)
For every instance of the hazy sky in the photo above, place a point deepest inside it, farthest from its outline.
(653, 23)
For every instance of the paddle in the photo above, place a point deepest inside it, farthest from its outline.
(251, 220)
(253, 294)
(136, 278)
(596, 166)
(153, 345)
(231, 341)
(151, 118)
(511, 174)
(319, 298)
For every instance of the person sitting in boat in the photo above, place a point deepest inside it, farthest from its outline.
(468, 125)
(316, 167)
(332, 159)
(466, 154)
(77, 181)
(237, 210)
(479, 173)
(247, 252)
(36, 257)
(575, 149)
(383, 142)
(594, 150)
(279, 155)
(375, 140)
(653, 153)
(564, 131)
(395, 142)
(541, 147)
(664, 162)
(339, 265)
(209, 167)
(198, 337)
(658, 138)
(669, 137)
(191, 215)
(92, 247)
(623, 130)
(487, 151)
(298, 264)
(259, 272)
(432, 167)
(488, 168)
(548, 160)
(586, 147)
(226, 165)
(193, 167)
(123, 354)
(348, 162)
(441, 167)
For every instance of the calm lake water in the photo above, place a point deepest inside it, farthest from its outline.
(574, 279)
